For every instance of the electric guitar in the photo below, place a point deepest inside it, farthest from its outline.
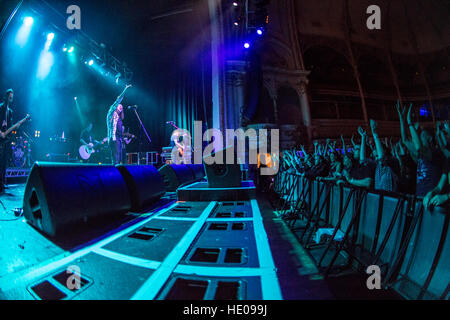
(4, 135)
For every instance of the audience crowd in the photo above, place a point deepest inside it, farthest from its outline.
(418, 163)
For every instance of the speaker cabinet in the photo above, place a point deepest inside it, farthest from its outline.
(198, 170)
(175, 175)
(145, 184)
(222, 175)
(60, 195)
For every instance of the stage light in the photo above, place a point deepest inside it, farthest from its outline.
(235, 4)
(91, 62)
(48, 43)
(24, 31)
(45, 64)
(64, 49)
(75, 98)
(236, 23)
(259, 31)
(71, 49)
(28, 21)
(246, 45)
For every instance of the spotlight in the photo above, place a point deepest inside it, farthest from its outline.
(64, 49)
(71, 49)
(235, 4)
(75, 98)
(28, 21)
(246, 45)
(259, 31)
(236, 23)
(24, 31)
(50, 36)
(91, 62)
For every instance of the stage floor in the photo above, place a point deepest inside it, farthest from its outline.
(116, 264)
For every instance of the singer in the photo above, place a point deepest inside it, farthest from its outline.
(114, 122)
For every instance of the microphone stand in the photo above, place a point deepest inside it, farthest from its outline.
(142, 125)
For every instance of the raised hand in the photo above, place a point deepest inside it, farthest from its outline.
(408, 117)
(401, 110)
(362, 132)
(373, 126)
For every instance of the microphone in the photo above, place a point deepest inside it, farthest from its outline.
(132, 107)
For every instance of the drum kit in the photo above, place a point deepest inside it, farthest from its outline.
(21, 152)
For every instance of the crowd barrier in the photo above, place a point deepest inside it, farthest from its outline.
(393, 231)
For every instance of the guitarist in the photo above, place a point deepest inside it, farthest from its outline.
(5, 122)
(87, 139)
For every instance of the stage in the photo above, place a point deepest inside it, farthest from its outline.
(212, 250)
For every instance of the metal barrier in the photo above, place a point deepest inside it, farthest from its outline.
(409, 244)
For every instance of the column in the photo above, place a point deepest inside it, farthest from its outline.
(304, 104)
(235, 93)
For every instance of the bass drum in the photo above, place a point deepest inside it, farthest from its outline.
(19, 153)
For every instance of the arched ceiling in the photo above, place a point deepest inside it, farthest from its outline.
(426, 21)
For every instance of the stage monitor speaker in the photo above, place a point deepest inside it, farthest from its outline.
(198, 170)
(222, 175)
(60, 195)
(145, 184)
(175, 175)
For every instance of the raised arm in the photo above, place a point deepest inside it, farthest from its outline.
(353, 142)
(401, 117)
(414, 136)
(362, 152)
(405, 140)
(376, 138)
(120, 97)
(343, 144)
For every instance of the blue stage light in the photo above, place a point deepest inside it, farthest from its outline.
(259, 32)
(24, 31)
(46, 60)
(91, 62)
(50, 36)
(28, 21)
(246, 45)
(71, 49)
